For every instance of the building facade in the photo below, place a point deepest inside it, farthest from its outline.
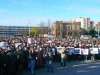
(86, 23)
(64, 29)
(57, 28)
(14, 31)
(97, 26)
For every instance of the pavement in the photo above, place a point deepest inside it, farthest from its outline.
(72, 68)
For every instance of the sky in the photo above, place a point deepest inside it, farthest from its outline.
(34, 12)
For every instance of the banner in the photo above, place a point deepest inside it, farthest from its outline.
(29, 41)
(85, 51)
(94, 51)
(60, 49)
(77, 51)
(71, 51)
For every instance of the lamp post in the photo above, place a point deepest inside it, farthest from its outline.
(29, 29)
(98, 31)
(48, 27)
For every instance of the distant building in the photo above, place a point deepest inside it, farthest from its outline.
(97, 26)
(76, 26)
(57, 28)
(64, 29)
(76, 29)
(86, 23)
(92, 24)
(14, 31)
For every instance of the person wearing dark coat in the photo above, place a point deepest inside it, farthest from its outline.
(12, 63)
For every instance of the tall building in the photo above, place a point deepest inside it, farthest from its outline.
(85, 22)
(92, 24)
(97, 26)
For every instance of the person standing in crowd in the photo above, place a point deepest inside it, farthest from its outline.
(63, 57)
(85, 53)
(49, 60)
(40, 59)
(2, 62)
(26, 54)
(12, 63)
(31, 62)
(54, 51)
(20, 59)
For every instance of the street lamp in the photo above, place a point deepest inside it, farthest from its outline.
(48, 27)
(98, 31)
(29, 29)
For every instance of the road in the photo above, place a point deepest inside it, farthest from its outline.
(91, 68)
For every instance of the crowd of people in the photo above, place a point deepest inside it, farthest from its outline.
(28, 54)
